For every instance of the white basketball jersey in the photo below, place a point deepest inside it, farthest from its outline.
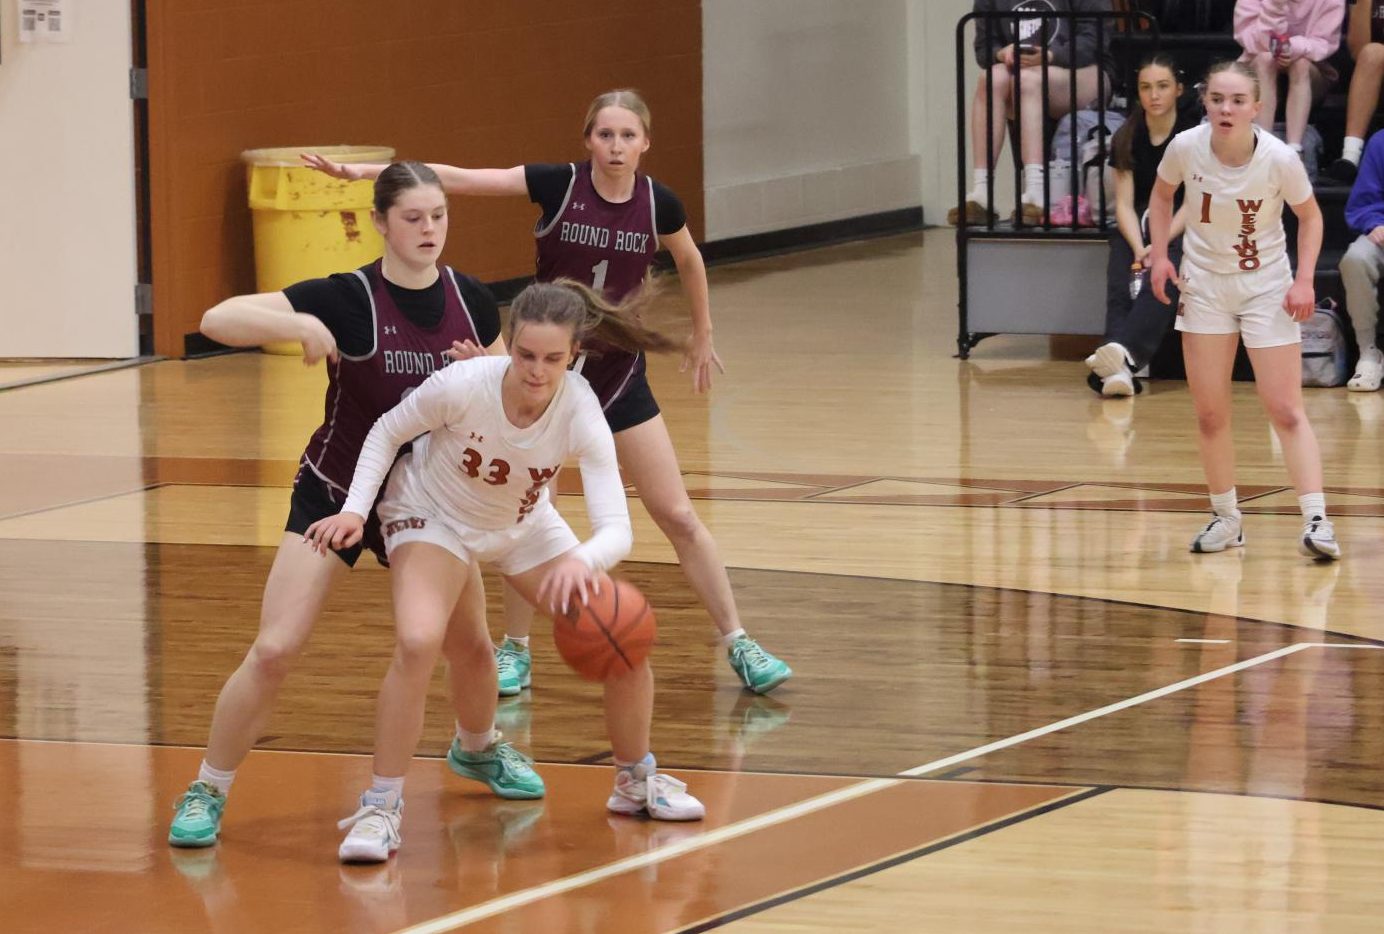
(478, 466)
(1234, 214)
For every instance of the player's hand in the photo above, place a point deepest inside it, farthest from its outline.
(340, 170)
(568, 582)
(318, 342)
(335, 532)
(1163, 272)
(1005, 56)
(1377, 235)
(1301, 300)
(463, 350)
(1141, 256)
(700, 357)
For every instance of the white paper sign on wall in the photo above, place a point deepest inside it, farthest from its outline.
(45, 20)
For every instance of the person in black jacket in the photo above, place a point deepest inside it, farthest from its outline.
(1011, 50)
(1135, 321)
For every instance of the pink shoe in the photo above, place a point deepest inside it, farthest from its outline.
(1061, 213)
(1083, 212)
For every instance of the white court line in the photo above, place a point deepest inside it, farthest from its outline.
(519, 899)
(1205, 641)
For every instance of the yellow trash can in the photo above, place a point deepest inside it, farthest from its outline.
(307, 224)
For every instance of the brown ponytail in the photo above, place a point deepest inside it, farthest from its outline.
(590, 315)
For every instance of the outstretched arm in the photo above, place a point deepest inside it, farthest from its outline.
(252, 320)
(455, 181)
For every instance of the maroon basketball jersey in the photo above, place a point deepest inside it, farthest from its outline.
(361, 389)
(1377, 20)
(609, 247)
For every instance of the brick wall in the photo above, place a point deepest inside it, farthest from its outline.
(470, 82)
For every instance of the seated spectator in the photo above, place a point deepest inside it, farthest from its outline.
(1072, 56)
(1135, 321)
(1296, 37)
(1365, 39)
(1361, 265)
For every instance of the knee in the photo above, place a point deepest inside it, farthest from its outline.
(468, 649)
(1371, 58)
(1212, 422)
(416, 648)
(680, 523)
(1300, 70)
(273, 658)
(1031, 82)
(1356, 261)
(995, 81)
(1264, 63)
(1285, 416)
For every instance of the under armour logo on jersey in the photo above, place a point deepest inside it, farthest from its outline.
(578, 205)
(1197, 178)
(478, 438)
(390, 329)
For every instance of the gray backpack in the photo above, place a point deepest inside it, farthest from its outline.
(1324, 355)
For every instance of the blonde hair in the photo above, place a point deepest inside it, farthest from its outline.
(629, 99)
(589, 314)
(1235, 67)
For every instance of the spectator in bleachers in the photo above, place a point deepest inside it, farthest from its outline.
(1072, 56)
(1365, 39)
(1361, 265)
(1135, 321)
(1295, 37)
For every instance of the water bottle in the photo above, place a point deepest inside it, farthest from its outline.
(1136, 279)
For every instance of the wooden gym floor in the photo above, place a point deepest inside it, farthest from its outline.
(1020, 704)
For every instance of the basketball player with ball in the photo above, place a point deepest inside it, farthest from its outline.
(602, 222)
(489, 435)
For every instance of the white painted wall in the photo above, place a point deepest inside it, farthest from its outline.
(819, 110)
(67, 195)
(806, 112)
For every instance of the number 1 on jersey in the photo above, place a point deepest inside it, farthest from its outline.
(598, 274)
(1206, 207)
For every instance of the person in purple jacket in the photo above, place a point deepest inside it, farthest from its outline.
(1361, 265)
(382, 330)
(602, 222)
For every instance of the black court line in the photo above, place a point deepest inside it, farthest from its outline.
(88, 371)
(142, 488)
(890, 863)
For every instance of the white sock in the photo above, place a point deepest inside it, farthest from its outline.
(1033, 183)
(1313, 506)
(392, 789)
(476, 742)
(730, 637)
(216, 778)
(1367, 348)
(1353, 148)
(519, 640)
(980, 178)
(648, 762)
(1226, 504)
(1296, 147)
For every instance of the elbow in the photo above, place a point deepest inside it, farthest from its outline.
(213, 323)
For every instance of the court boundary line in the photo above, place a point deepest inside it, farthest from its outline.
(1078, 795)
(497, 906)
(110, 367)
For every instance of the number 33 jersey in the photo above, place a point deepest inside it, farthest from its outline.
(1234, 213)
(478, 466)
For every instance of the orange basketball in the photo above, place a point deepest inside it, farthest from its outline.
(610, 635)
